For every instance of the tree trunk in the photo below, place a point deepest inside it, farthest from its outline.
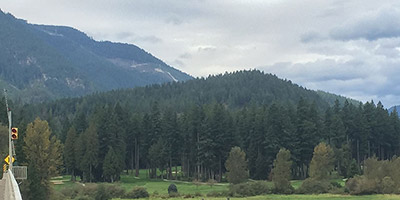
(369, 149)
(90, 173)
(358, 155)
(136, 157)
(176, 172)
(220, 169)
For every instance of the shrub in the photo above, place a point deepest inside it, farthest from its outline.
(336, 184)
(172, 188)
(388, 186)
(361, 185)
(250, 189)
(115, 191)
(101, 193)
(174, 194)
(89, 190)
(337, 190)
(137, 192)
(314, 186)
(71, 192)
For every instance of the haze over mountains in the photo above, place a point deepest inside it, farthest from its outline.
(41, 62)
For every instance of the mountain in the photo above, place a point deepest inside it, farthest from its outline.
(41, 62)
(234, 90)
(394, 107)
(331, 98)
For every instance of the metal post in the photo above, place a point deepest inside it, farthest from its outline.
(10, 154)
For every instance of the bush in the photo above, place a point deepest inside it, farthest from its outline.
(137, 192)
(250, 189)
(71, 192)
(89, 190)
(360, 185)
(388, 186)
(115, 191)
(314, 186)
(172, 188)
(101, 193)
(336, 184)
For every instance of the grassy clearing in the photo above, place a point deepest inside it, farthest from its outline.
(160, 187)
(152, 185)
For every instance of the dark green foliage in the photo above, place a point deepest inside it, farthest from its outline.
(250, 189)
(110, 166)
(69, 152)
(172, 188)
(137, 192)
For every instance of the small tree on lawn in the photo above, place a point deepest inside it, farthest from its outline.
(281, 172)
(322, 162)
(236, 166)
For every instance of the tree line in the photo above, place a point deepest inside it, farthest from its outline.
(99, 146)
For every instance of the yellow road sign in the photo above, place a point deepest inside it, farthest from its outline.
(8, 158)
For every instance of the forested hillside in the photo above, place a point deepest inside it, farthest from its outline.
(40, 63)
(196, 123)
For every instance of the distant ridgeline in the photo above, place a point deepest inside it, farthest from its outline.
(393, 108)
(40, 63)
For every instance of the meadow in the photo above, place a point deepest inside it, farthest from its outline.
(157, 189)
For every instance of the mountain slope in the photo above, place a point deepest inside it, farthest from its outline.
(40, 62)
(234, 90)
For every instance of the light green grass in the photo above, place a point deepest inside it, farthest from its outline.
(153, 185)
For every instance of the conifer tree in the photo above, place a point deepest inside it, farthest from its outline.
(281, 172)
(90, 158)
(236, 166)
(69, 152)
(322, 162)
(111, 166)
(44, 156)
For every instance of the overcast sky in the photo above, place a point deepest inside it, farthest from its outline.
(347, 47)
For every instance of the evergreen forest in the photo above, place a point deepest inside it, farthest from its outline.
(192, 126)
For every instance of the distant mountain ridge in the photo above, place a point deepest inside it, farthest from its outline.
(390, 110)
(42, 62)
(234, 90)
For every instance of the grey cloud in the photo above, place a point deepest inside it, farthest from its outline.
(384, 23)
(150, 39)
(363, 80)
(206, 48)
(185, 56)
(310, 36)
